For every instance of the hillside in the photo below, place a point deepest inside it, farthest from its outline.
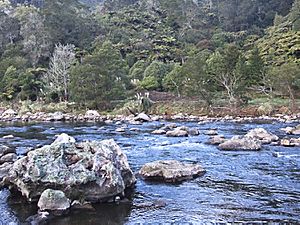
(95, 52)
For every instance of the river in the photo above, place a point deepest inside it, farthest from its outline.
(238, 186)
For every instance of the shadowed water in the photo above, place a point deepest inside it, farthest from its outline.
(238, 186)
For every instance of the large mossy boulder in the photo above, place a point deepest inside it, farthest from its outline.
(94, 171)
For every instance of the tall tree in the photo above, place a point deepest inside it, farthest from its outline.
(100, 78)
(57, 79)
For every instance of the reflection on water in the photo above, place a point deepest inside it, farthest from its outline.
(238, 186)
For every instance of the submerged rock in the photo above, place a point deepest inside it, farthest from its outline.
(54, 200)
(92, 171)
(193, 132)
(170, 171)
(241, 143)
(261, 134)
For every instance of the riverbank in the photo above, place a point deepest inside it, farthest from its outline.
(161, 109)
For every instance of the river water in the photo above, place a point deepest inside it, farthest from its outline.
(245, 187)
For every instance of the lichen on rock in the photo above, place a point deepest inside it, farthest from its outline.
(93, 171)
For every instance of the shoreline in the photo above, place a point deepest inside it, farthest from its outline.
(93, 116)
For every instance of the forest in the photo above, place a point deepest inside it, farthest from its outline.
(96, 52)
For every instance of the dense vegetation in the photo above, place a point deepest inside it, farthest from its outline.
(95, 52)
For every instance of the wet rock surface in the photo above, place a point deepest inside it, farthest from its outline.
(54, 201)
(241, 143)
(94, 171)
(170, 171)
(262, 135)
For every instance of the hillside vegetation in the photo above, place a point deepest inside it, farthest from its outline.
(98, 52)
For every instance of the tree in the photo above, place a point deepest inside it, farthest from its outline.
(155, 73)
(36, 42)
(57, 79)
(286, 80)
(294, 15)
(197, 80)
(225, 68)
(100, 78)
(174, 81)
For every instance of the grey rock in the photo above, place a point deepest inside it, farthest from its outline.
(142, 117)
(193, 132)
(4, 169)
(262, 135)
(170, 171)
(160, 131)
(241, 143)
(92, 171)
(64, 138)
(91, 114)
(53, 200)
(10, 157)
(177, 133)
(216, 140)
(211, 132)
(5, 150)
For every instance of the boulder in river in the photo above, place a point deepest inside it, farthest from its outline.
(262, 135)
(292, 142)
(241, 143)
(5, 150)
(211, 132)
(193, 132)
(216, 140)
(170, 171)
(159, 131)
(53, 201)
(94, 171)
(177, 133)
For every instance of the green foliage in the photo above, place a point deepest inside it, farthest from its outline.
(196, 48)
(156, 71)
(100, 78)
(149, 83)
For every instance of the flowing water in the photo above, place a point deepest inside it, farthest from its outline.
(239, 186)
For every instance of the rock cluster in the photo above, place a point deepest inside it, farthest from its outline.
(252, 141)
